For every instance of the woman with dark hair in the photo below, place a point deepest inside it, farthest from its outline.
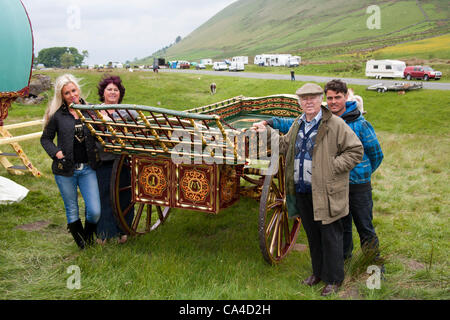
(111, 91)
(74, 158)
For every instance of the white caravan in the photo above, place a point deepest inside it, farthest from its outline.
(294, 61)
(385, 68)
(243, 59)
(236, 66)
(206, 62)
(277, 60)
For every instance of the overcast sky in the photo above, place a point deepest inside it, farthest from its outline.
(116, 30)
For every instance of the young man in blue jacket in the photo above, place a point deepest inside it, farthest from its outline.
(360, 196)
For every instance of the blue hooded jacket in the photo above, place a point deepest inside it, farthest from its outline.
(373, 155)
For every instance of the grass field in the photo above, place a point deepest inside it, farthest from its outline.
(200, 256)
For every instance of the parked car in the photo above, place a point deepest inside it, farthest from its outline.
(201, 66)
(219, 66)
(185, 65)
(421, 72)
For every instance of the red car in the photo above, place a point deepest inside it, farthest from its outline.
(421, 72)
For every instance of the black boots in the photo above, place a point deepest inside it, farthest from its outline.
(76, 229)
(89, 230)
(83, 237)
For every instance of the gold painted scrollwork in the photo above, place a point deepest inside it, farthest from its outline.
(153, 181)
(195, 186)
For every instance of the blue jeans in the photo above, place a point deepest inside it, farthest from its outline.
(86, 180)
(361, 206)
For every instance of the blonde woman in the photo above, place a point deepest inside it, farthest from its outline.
(74, 158)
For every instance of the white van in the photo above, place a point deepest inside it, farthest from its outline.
(385, 68)
(219, 66)
(243, 59)
(236, 66)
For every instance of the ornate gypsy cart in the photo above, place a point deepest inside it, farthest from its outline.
(199, 159)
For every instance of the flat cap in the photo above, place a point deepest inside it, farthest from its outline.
(309, 88)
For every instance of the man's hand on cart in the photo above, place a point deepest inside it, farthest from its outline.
(259, 126)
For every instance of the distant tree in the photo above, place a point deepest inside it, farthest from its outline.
(67, 60)
(51, 57)
(85, 54)
(78, 58)
(178, 39)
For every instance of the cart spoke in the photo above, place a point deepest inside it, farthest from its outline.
(160, 214)
(274, 204)
(128, 209)
(125, 188)
(276, 190)
(275, 238)
(271, 223)
(148, 221)
(285, 225)
(281, 179)
(137, 219)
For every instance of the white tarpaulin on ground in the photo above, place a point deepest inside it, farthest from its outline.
(11, 192)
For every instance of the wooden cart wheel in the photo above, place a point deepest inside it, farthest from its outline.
(277, 233)
(134, 217)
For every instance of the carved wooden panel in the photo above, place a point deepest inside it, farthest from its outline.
(151, 180)
(196, 187)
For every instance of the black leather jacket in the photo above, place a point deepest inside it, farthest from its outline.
(62, 124)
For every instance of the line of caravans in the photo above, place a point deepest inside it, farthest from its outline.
(385, 68)
(277, 60)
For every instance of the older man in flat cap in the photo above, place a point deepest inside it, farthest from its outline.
(320, 150)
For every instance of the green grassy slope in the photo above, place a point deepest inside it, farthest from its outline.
(313, 29)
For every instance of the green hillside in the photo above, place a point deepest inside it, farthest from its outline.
(313, 29)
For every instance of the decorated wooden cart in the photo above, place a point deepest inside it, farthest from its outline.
(199, 159)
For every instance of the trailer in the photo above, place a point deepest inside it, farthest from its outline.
(240, 59)
(236, 66)
(385, 68)
(206, 62)
(397, 86)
